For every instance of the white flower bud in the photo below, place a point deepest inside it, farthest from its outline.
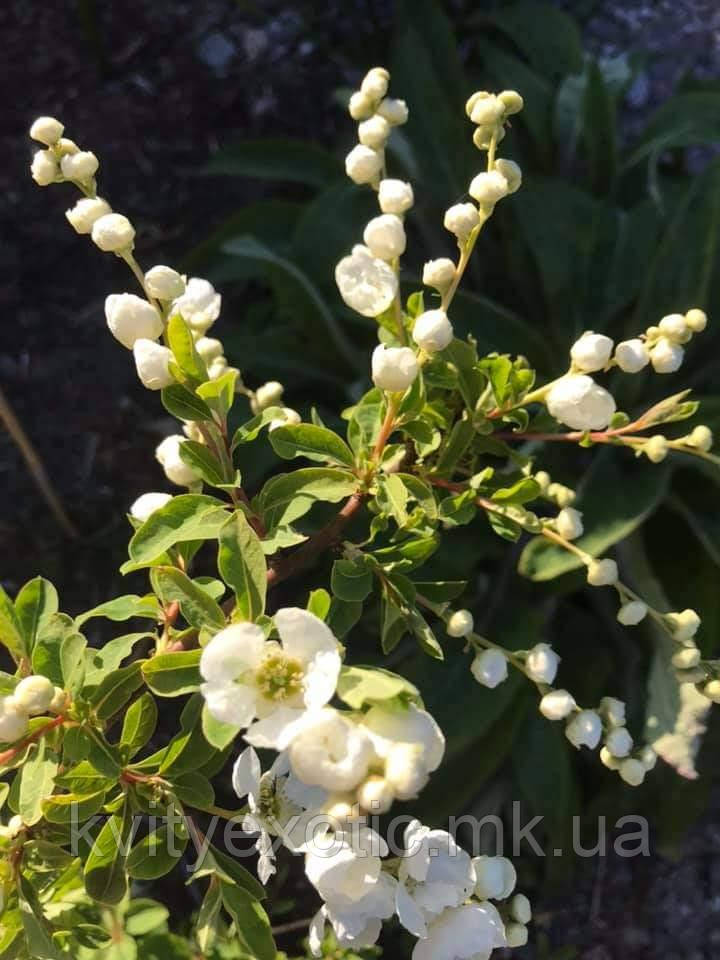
(164, 283)
(65, 146)
(584, 730)
(557, 705)
(385, 236)
(460, 624)
(13, 720)
(432, 331)
(461, 219)
(613, 710)
(393, 368)
(375, 795)
(360, 106)
(512, 101)
(113, 233)
(489, 668)
(147, 504)
(696, 320)
(516, 935)
(394, 111)
(541, 663)
(484, 135)
(543, 479)
(684, 625)
(217, 367)
(268, 395)
(85, 212)
(152, 362)
(375, 83)
(44, 168)
(602, 573)
(512, 173)
(33, 695)
(562, 495)
(712, 691)
(619, 742)
(405, 770)
(674, 327)
(59, 700)
(374, 132)
(168, 455)
(655, 448)
(701, 437)
(568, 523)
(288, 417)
(209, 348)
(199, 305)
(131, 318)
(632, 355)
(591, 352)
(489, 187)
(576, 400)
(485, 108)
(632, 772)
(495, 878)
(632, 612)
(520, 909)
(14, 827)
(331, 752)
(46, 130)
(395, 196)
(439, 273)
(363, 165)
(366, 284)
(648, 758)
(608, 760)
(79, 166)
(686, 659)
(666, 357)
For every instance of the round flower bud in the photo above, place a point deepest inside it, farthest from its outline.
(199, 305)
(152, 362)
(613, 711)
(701, 437)
(543, 480)
(375, 83)
(461, 219)
(632, 355)
(439, 273)
(619, 742)
(712, 691)
(512, 173)
(65, 146)
(13, 720)
(696, 320)
(432, 331)
(516, 935)
(666, 357)
(686, 659)
(131, 318)
(541, 663)
(655, 448)
(147, 504)
(59, 700)
(14, 827)
(674, 327)
(393, 368)
(289, 417)
(360, 106)
(209, 348)
(648, 758)
(268, 395)
(176, 470)
(486, 108)
(33, 695)
(512, 101)
(46, 130)
(591, 352)
(487, 188)
(584, 730)
(394, 111)
(363, 164)
(44, 168)
(520, 909)
(395, 196)
(602, 573)
(375, 795)
(79, 166)
(608, 760)
(568, 523)
(632, 772)
(495, 878)
(557, 705)
(164, 283)
(576, 400)
(374, 132)
(385, 236)
(85, 212)
(113, 233)
(684, 625)
(489, 668)
(217, 367)
(632, 612)
(562, 495)
(406, 772)
(460, 624)
(366, 284)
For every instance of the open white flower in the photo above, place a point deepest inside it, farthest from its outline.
(248, 677)
(367, 284)
(469, 932)
(410, 743)
(199, 306)
(331, 751)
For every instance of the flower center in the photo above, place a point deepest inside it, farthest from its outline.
(279, 677)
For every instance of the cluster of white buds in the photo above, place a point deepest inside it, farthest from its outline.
(33, 696)
(662, 346)
(556, 493)
(490, 112)
(61, 159)
(376, 114)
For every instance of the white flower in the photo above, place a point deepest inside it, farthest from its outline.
(33, 695)
(619, 742)
(176, 470)
(410, 743)
(489, 668)
(147, 504)
(85, 212)
(374, 132)
(569, 523)
(248, 677)
(79, 166)
(602, 573)
(393, 368)
(557, 705)
(288, 416)
(385, 236)
(613, 711)
(632, 612)
(375, 83)
(495, 878)
(632, 772)
(346, 866)
(461, 219)
(209, 348)
(542, 663)
(696, 320)
(331, 751)
(684, 625)
(489, 187)
(46, 130)
(44, 168)
(700, 437)
(591, 352)
(432, 331)
(666, 357)
(512, 173)
(152, 362)
(394, 111)
(363, 164)
(656, 448)
(674, 327)
(576, 400)
(469, 932)
(131, 318)
(267, 395)
(13, 720)
(460, 624)
(405, 770)
(439, 273)
(375, 794)
(395, 196)
(164, 283)
(199, 306)
(632, 355)
(113, 232)
(366, 284)
(585, 729)
(484, 108)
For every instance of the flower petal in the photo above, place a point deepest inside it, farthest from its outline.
(277, 730)
(409, 914)
(246, 773)
(321, 677)
(231, 703)
(231, 652)
(303, 634)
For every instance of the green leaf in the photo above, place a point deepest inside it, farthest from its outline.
(217, 734)
(105, 870)
(38, 933)
(251, 922)
(190, 516)
(599, 131)
(250, 431)
(351, 580)
(73, 653)
(287, 160)
(220, 393)
(290, 495)
(521, 492)
(184, 404)
(548, 37)
(11, 629)
(319, 603)
(360, 685)
(69, 808)
(682, 121)
(160, 851)
(343, 616)
(113, 692)
(242, 566)
(143, 916)
(392, 497)
(204, 463)
(195, 790)
(138, 725)
(198, 608)
(180, 340)
(173, 674)
(37, 780)
(34, 604)
(100, 662)
(312, 442)
(123, 608)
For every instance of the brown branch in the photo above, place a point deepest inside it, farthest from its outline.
(33, 738)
